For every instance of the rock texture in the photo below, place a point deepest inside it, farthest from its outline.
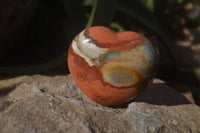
(55, 104)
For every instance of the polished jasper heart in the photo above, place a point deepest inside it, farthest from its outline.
(109, 67)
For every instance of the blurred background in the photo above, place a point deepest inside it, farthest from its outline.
(35, 35)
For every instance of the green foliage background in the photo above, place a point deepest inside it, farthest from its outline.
(73, 16)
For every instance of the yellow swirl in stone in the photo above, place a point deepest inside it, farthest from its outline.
(119, 75)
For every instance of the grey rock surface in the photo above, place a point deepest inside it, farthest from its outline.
(44, 104)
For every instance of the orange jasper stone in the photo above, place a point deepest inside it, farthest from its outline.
(109, 67)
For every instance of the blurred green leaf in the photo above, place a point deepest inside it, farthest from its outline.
(180, 1)
(117, 26)
(88, 2)
(149, 4)
(91, 17)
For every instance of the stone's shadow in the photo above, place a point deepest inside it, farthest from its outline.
(158, 94)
